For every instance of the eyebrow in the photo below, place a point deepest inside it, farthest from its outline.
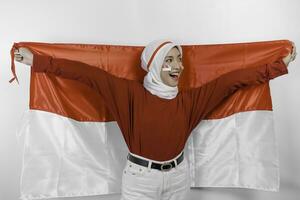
(172, 56)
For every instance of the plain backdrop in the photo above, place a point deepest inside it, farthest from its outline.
(137, 22)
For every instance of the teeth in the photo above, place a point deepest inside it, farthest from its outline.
(174, 75)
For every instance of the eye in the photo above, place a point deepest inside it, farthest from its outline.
(169, 60)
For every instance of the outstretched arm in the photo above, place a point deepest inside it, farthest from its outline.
(118, 93)
(201, 101)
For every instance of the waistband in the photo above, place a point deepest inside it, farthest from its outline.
(160, 162)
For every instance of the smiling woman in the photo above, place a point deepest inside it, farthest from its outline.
(156, 143)
(170, 75)
(158, 55)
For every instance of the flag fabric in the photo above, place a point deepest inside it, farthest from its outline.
(72, 146)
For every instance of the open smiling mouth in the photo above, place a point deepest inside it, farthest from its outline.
(174, 76)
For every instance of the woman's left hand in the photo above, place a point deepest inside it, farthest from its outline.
(291, 56)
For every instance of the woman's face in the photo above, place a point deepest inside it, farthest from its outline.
(174, 60)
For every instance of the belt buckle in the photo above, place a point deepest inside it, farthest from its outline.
(165, 164)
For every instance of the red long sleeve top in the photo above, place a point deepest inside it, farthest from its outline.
(151, 126)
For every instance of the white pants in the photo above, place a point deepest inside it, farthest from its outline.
(145, 183)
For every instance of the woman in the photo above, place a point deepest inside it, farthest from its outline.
(155, 119)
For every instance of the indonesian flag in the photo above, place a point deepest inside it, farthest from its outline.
(72, 146)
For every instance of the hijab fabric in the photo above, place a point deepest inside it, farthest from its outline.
(152, 59)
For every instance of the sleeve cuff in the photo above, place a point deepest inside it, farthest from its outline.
(278, 68)
(40, 63)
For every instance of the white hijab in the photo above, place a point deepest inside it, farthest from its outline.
(152, 59)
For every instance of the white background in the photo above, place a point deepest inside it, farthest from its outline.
(137, 22)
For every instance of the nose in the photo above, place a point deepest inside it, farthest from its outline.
(178, 66)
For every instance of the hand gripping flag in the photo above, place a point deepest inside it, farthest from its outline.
(72, 145)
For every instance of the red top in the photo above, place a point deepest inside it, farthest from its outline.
(154, 127)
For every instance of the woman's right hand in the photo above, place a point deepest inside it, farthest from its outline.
(23, 55)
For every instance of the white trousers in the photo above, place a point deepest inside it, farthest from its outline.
(145, 183)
